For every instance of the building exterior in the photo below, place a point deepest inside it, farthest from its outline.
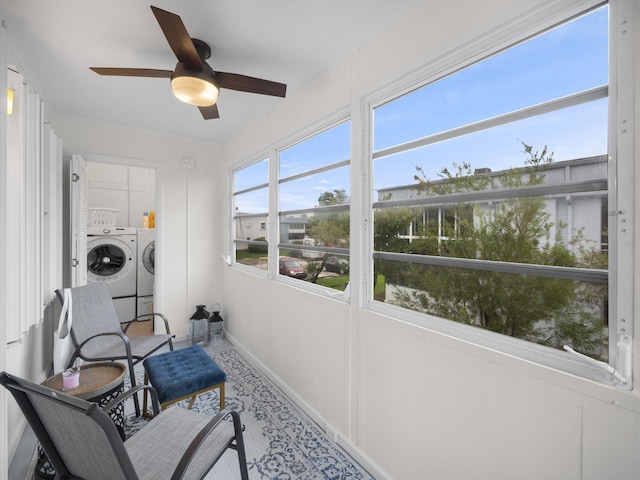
(575, 197)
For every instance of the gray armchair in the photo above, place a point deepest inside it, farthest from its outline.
(82, 442)
(99, 336)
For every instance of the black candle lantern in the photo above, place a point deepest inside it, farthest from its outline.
(215, 324)
(199, 332)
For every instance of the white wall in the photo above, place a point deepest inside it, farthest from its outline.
(129, 189)
(415, 403)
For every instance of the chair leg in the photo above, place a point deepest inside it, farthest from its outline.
(132, 375)
(222, 396)
(239, 446)
(242, 458)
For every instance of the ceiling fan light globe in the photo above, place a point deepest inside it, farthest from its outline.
(194, 91)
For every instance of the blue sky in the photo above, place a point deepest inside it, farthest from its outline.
(563, 61)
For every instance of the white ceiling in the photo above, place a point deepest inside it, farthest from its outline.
(287, 41)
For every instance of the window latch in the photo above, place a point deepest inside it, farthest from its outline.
(617, 376)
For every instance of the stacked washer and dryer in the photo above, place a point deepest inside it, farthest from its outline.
(123, 258)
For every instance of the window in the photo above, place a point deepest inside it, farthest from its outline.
(251, 214)
(313, 195)
(492, 187)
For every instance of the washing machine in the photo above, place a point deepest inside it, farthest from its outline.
(146, 261)
(112, 258)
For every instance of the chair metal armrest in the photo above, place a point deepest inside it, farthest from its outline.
(202, 435)
(155, 404)
(78, 350)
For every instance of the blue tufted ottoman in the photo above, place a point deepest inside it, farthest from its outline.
(181, 374)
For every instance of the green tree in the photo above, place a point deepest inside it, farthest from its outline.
(335, 197)
(330, 229)
(545, 310)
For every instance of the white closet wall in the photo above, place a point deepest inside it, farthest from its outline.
(129, 189)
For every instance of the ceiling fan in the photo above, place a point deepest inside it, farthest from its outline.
(193, 81)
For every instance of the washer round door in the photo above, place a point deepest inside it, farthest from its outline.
(112, 260)
(149, 258)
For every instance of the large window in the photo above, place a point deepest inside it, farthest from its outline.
(501, 196)
(493, 190)
(251, 214)
(313, 208)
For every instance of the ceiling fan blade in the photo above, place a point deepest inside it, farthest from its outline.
(209, 113)
(243, 83)
(178, 38)
(133, 72)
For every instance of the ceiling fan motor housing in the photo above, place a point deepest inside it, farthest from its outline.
(203, 49)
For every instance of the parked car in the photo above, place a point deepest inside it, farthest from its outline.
(292, 268)
(336, 264)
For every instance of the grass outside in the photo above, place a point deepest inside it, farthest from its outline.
(378, 288)
(337, 283)
(242, 254)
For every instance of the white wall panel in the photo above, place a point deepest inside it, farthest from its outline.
(610, 441)
(142, 194)
(305, 347)
(510, 423)
(108, 187)
(554, 432)
(475, 419)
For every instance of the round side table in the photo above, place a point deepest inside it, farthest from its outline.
(100, 382)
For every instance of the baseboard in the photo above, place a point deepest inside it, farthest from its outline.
(341, 440)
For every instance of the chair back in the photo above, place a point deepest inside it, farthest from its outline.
(79, 438)
(93, 313)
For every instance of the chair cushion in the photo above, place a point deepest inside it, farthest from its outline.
(156, 449)
(182, 372)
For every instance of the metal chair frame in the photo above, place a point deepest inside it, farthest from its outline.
(29, 397)
(130, 358)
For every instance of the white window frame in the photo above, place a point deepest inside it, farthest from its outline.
(273, 226)
(256, 158)
(316, 129)
(621, 148)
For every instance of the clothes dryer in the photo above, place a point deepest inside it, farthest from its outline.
(146, 261)
(111, 258)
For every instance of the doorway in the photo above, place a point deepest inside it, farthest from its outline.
(124, 194)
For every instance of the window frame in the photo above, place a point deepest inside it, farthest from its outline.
(338, 118)
(620, 151)
(233, 241)
(273, 223)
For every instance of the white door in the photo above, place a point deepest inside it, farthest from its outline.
(78, 221)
